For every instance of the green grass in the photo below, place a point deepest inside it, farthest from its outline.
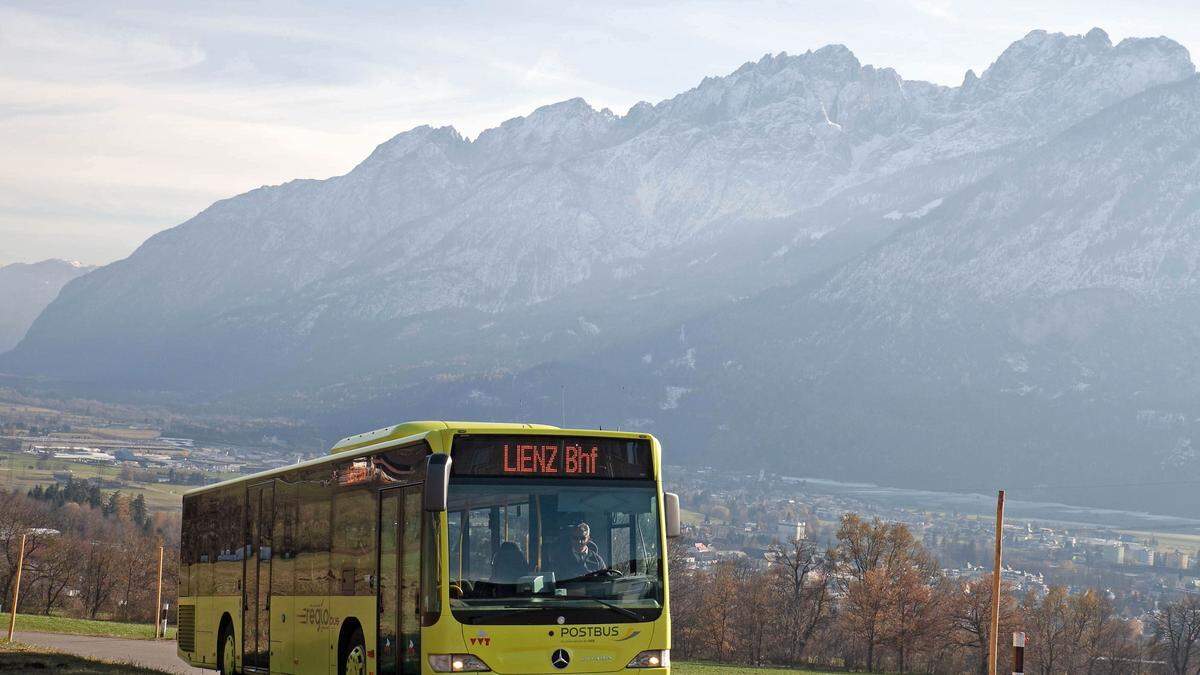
(22, 472)
(689, 668)
(19, 658)
(37, 623)
(1169, 541)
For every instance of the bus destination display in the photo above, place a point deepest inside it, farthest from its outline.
(550, 457)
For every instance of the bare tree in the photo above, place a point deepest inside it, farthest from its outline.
(1046, 624)
(18, 516)
(721, 600)
(98, 577)
(1176, 628)
(970, 619)
(757, 613)
(865, 612)
(52, 571)
(804, 572)
(864, 546)
(137, 576)
(915, 614)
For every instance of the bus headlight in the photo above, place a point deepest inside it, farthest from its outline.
(457, 663)
(651, 658)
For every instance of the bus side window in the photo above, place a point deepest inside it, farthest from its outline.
(283, 538)
(228, 506)
(354, 520)
(312, 545)
(186, 535)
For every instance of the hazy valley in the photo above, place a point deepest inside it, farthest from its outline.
(861, 276)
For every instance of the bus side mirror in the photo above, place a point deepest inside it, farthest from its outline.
(437, 482)
(671, 505)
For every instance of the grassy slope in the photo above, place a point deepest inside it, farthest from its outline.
(57, 624)
(19, 658)
(54, 624)
(685, 668)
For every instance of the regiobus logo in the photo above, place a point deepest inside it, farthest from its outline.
(319, 616)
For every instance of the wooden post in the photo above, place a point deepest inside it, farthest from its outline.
(12, 620)
(993, 638)
(158, 598)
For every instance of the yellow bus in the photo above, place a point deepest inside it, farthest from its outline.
(435, 547)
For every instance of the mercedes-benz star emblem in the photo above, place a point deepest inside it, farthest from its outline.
(560, 658)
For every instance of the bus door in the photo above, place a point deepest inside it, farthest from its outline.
(256, 606)
(399, 639)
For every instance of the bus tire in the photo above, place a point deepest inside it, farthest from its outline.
(353, 659)
(226, 649)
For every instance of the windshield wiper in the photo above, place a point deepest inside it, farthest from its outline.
(619, 609)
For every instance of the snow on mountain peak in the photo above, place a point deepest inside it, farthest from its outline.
(550, 131)
(412, 141)
(1041, 57)
(941, 227)
(1098, 37)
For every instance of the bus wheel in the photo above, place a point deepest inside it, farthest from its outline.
(226, 651)
(354, 661)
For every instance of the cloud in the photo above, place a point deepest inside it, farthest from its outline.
(128, 118)
(939, 9)
(63, 48)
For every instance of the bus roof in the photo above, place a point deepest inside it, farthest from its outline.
(414, 431)
(406, 429)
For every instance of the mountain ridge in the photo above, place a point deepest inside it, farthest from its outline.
(783, 248)
(26, 289)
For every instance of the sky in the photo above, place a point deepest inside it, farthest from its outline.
(121, 119)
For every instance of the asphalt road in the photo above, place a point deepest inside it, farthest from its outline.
(158, 654)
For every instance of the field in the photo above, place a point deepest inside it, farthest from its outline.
(119, 433)
(37, 623)
(1169, 541)
(685, 668)
(19, 658)
(21, 471)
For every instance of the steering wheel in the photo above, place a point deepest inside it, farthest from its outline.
(606, 573)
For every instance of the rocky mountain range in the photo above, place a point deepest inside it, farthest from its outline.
(864, 276)
(26, 289)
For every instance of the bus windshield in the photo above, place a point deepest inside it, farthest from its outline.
(528, 551)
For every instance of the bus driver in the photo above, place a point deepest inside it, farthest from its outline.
(579, 555)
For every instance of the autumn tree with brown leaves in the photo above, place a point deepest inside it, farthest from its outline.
(970, 617)
(877, 601)
(887, 576)
(85, 560)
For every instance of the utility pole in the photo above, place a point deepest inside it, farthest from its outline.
(994, 634)
(12, 619)
(158, 598)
